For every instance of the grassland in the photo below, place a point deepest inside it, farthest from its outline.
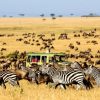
(18, 26)
(29, 91)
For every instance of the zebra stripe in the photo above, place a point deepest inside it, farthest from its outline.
(10, 77)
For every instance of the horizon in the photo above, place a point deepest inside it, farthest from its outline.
(32, 8)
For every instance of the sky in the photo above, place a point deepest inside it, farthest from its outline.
(59, 7)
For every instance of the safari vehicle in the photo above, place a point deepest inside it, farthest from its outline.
(39, 58)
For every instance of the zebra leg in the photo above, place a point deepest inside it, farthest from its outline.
(57, 85)
(47, 82)
(3, 84)
(62, 85)
(18, 84)
(37, 82)
(14, 82)
(87, 84)
(80, 84)
(78, 87)
(34, 80)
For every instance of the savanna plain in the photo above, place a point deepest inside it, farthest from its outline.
(12, 29)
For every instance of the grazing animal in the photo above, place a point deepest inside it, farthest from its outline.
(42, 78)
(65, 77)
(94, 72)
(3, 49)
(77, 66)
(77, 42)
(21, 74)
(31, 75)
(71, 46)
(7, 76)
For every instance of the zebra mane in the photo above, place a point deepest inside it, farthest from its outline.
(95, 68)
(76, 65)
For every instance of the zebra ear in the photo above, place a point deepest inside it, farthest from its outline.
(85, 65)
(91, 66)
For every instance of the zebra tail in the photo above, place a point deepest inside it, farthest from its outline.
(17, 81)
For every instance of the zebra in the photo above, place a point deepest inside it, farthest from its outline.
(77, 66)
(8, 76)
(31, 75)
(94, 72)
(65, 77)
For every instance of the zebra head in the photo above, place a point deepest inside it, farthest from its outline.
(88, 70)
(45, 68)
(75, 65)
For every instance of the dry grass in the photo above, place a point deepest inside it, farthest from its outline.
(18, 26)
(29, 91)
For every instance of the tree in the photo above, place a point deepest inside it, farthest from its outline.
(52, 15)
(10, 16)
(4, 16)
(91, 14)
(42, 15)
(71, 14)
(60, 16)
(21, 15)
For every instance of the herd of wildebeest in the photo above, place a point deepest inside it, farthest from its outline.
(82, 73)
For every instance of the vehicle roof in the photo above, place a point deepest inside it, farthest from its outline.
(34, 53)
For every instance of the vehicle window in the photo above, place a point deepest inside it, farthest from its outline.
(56, 58)
(62, 58)
(51, 59)
(44, 58)
(35, 58)
(28, 58)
